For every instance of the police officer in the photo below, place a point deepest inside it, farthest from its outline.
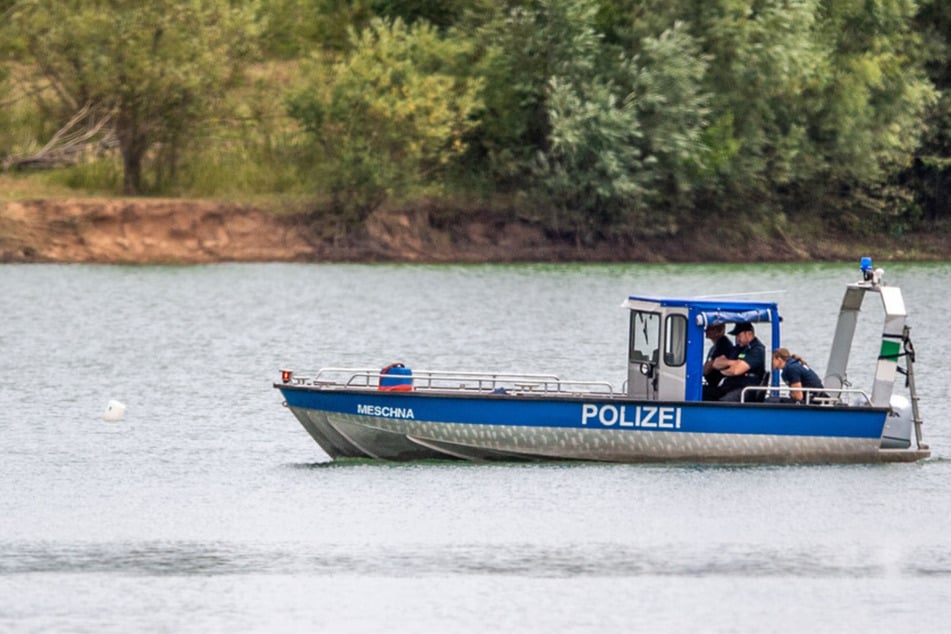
(746, 366)
(722, 347)
(797, 374)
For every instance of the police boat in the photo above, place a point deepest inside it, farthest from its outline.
(399, 413)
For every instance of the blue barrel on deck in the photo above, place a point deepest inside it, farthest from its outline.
(396, 377)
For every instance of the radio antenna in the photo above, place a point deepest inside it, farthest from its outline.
(727, 295)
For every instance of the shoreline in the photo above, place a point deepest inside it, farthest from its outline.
(181, 231)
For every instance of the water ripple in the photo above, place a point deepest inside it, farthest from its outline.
(515, 560)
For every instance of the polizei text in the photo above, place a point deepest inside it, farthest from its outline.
(631, 416)
(385, 411)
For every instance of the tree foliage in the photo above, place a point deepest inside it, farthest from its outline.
(874, 100)
(292, 28)
(440, 13)
(930, 175)
(613, 134)
(392, 113)
(524, 46)
(592, 175)
(602, 117)
(765, 60)
(673, 106)
(157, 68)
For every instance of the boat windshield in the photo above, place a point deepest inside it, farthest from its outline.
(645, 336)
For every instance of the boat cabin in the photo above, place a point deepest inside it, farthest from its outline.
(667, 347)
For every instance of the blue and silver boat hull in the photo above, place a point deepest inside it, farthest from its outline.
(419, 425)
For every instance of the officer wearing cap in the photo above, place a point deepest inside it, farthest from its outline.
(746, 366)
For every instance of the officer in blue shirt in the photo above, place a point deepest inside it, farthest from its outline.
(797, 374)
(745, 367)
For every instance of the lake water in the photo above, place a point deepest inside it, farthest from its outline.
(209, 509)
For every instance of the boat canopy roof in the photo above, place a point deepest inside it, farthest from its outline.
(709, 312)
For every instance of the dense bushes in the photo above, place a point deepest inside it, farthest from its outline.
(599, 117)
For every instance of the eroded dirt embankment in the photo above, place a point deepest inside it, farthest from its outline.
(160, 231)
(143, 231)
(153, 231)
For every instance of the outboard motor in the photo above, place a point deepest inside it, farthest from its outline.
(898, 425)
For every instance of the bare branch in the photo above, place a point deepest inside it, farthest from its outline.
(68, 145)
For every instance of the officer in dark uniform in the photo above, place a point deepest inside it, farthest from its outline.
(722, 347)
(746, 366)
(797, 374)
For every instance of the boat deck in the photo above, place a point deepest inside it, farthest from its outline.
(456, 382)
(522, 384)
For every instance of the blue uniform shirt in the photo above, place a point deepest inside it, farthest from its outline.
(798, 372)
(755, 356)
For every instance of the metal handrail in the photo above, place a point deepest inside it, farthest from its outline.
(835, 394)
(520, 382)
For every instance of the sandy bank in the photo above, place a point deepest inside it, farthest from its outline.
(159, 231)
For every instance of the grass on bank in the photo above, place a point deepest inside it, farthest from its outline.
(227, 178)
(77, 182)
(254, 155)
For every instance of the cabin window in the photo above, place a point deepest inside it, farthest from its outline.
(675, 340)
(645, 336)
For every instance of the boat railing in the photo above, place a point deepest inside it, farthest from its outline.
(811, 395)
(438, 380)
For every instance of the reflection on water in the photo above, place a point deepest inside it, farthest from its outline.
(208, 508)
(518, 560)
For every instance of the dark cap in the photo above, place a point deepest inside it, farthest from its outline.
(743, 326)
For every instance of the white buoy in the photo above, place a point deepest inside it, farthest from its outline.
(114, 411)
